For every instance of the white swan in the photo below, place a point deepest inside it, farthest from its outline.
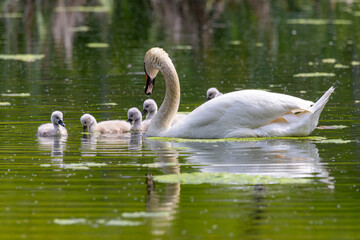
(112, 126)
(150, 107)
(212, 93)
(247, 113)
(134, 115)
(56, 127)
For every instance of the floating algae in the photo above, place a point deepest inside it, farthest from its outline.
(97, 45)
(328, 60)
(225, 178)
(4, 104)
(335, 141)
(22, 57)
(331, 127)
(15, 94)
(70, 221)
(341, 66)
(145, 214)
(355, 63)
(11, 15)
(309, 21)
(315, 74)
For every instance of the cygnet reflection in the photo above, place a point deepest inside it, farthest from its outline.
(55, 145)
(110, 144)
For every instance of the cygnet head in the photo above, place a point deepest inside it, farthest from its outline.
(57, 118)
(153, 61)
(149, 106)
(86, 121)
(134, 114)
(212, 93)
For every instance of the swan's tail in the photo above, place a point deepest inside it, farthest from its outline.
(320, 104)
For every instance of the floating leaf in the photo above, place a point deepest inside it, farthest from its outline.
(165, 139)
(235, 42)
(341, 66)
(97, 45)
(336, 141)
(183, 47)
(224, 178)
(22, 57)
(119, 222)
(107, 104)
(70, 221)
(15, 94)
(159, 165)
(94, 9)
(10, 15)
(315, 74)
(329, 60)
(332, 127)
(80, 29)
(303, 21)
(4, 103)
(146, 215)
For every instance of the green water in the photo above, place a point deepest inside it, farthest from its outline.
(92, 187)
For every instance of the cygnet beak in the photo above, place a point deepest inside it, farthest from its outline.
(130, 120)
(143, 112)
(84, 128)
(61, 123)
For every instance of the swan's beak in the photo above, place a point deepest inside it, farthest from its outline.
(143, 112)
(84, 128)
(149, 84)
(61, 123)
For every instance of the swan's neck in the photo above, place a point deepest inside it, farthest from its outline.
(137, 125)
(56, 128)
(166, 113)
(150, 115)
(93, 126)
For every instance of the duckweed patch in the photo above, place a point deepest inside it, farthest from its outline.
(111, 222)
(22, 57)
(225, 178)
(97, 45)
(309, 21)
(145, 214)
(335, 141)
(328, 60)
(15, 94)
(314, 74)
(331, 127)
(166, 139)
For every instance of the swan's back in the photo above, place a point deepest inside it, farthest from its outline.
(113, 126)
(236, 114)
(47, 130)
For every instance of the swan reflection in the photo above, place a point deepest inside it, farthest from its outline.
(164, 199)
(272, 157)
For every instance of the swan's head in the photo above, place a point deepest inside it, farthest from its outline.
(86, 121)
(153, 61)
(134, 114)
(57, 118)
(212, 93)
(149, 106)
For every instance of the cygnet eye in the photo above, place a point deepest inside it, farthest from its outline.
(84, 122)
(131, 115)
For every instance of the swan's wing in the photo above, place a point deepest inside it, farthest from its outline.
(46, 129)
(244, 110)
